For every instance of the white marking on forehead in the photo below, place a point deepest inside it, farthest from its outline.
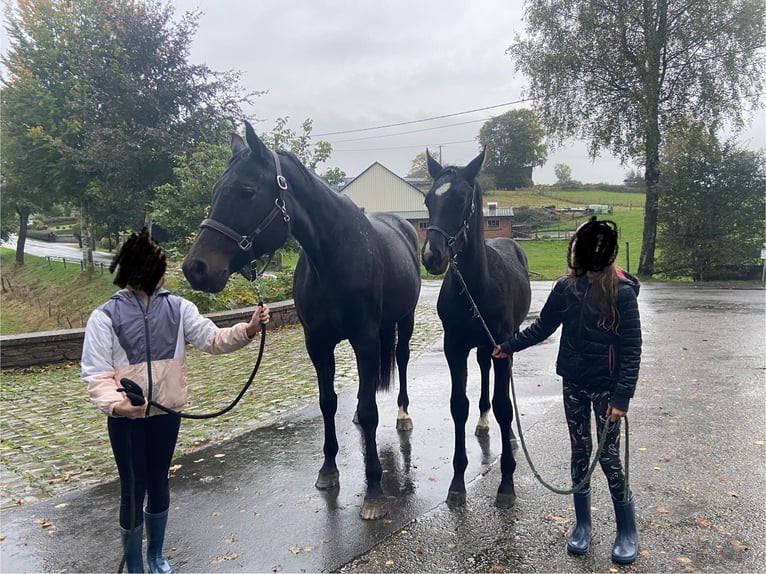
(442, 188)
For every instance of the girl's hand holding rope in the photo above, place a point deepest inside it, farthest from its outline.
(614, 414)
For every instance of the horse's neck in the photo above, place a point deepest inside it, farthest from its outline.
(472, 259)
(316, 212)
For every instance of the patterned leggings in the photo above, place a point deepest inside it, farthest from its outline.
(578, 403)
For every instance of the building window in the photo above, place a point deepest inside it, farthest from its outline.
(493, 223)
(422, 225)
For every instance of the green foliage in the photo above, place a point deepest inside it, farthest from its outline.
(712, 209)
(621, 74)
(284, 137)
(513, 143)
(181, 206)
(101, 100)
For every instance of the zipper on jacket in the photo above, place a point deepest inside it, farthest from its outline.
(611, 359)
(147, 339)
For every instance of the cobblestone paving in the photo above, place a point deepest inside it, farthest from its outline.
(53, 440)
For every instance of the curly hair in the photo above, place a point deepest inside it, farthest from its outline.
(140, 263)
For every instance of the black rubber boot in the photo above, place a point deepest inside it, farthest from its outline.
(579, 539)
(132, 543)
(155, 538)
(625, 549)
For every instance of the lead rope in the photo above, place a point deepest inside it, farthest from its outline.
(602, 440)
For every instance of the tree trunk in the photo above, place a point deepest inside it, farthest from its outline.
(87, 240)
(21, 240)
(655, 38)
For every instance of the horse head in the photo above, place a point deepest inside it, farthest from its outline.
(247, 215)
(451, 204)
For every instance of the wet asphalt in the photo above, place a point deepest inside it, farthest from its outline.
(697, 466)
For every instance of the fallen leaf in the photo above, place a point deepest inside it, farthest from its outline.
(657, 468)
(19, 501)
(199, 460)
(295, 549)
(451, 545)
(738, 545)
(701, 522)
(432, 478)
(227, 556)
(62, 505)
(389, 562)
(496, 568)
(732, 493)
(419, 551)
(661, 510)
(642, 448)
(759, 442)
(558, 519)
(2, 537)
(644, 553)
(46, 524)
(175, 467)
(220, 455)
(308, 548)
(684, 560)
(613, 569)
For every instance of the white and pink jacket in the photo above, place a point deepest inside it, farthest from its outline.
(148, 346)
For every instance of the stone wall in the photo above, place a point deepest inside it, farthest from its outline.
(64, 346)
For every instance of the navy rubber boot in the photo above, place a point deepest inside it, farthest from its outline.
(155, 538)
(625, 549)
(132, 543)
(579, 540)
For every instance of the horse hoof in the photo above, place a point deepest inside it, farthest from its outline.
(328, 481)
(505, 500)
(404, 425)
(455, 499)
(374, 508)
(481, 432)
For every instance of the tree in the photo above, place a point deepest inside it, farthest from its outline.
(121, 100)
(712, 206)
(334, 176)
(284, 137)
(419, 167)
(513, 144)
(620, 74)
(563, 174)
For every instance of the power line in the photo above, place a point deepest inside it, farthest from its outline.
(423, 119)
(420, 146)
(410, 131)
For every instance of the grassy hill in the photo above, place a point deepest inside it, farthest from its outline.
(40, 296)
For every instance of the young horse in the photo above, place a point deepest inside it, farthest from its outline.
(495, 273)
(357, 278)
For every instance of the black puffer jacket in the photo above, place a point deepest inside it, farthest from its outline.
(595, 357)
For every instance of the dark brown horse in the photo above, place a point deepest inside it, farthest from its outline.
(496, 277)
(357, 278)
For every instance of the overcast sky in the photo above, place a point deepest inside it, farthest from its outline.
(356, 64)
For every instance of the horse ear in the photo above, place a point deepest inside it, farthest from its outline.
(472, 169)
(237, 144)
(257, 147)
(434, 167)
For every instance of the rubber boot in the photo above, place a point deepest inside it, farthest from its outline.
(131, 546)
(155, 538)
(579, 540)
(625, 547)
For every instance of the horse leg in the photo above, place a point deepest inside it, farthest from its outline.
(323, 357)
(405, 328)
(367, 350)
(457, 360)
(503, 409)
(484, 358)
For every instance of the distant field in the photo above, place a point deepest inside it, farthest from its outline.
(547, 257)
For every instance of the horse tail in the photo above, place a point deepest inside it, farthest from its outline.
(387, 355)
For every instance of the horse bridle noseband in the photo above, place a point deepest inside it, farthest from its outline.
(245, 242)
(461, 232)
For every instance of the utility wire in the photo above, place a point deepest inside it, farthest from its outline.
(422, 119)
(410, 131)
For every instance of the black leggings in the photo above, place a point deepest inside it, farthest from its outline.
(578, 403)
(143, 449)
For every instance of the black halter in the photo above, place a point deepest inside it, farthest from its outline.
(462, 231)
(245, 242)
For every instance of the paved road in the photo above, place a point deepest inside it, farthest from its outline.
(57, 250)
(697, 467)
